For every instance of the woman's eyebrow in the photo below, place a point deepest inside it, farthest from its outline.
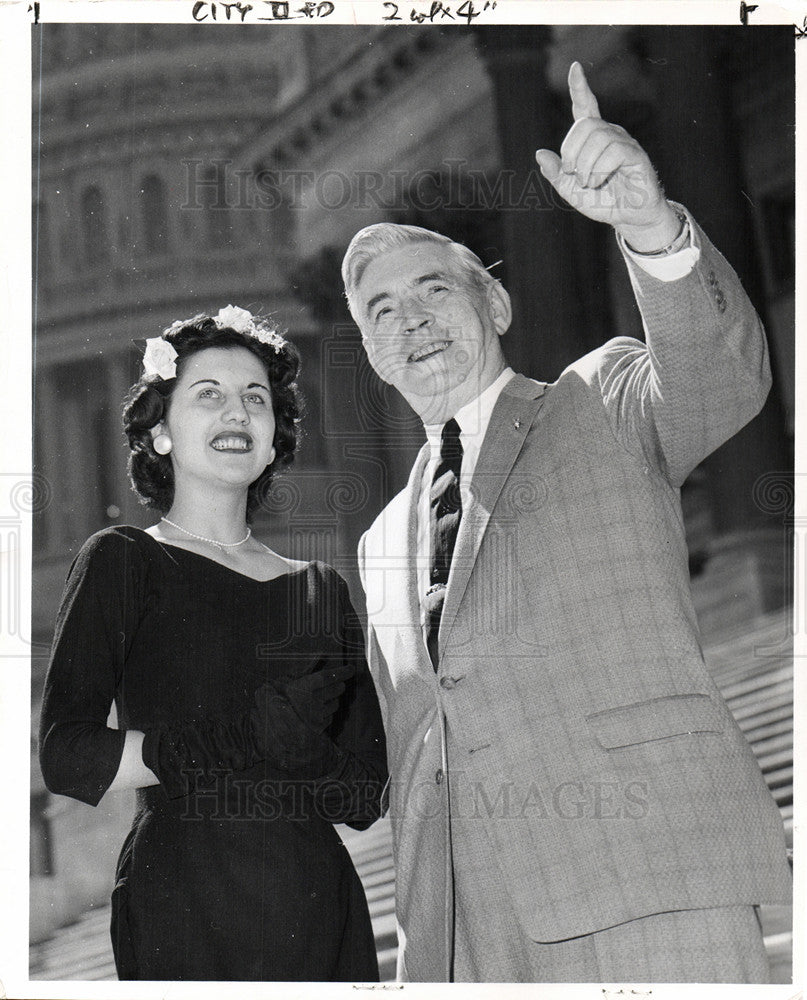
(213, 381)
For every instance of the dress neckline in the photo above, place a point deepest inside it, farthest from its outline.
(228, 569)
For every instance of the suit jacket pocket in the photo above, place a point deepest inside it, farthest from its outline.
(655, 719)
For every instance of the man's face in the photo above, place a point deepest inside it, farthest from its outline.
(428, 330)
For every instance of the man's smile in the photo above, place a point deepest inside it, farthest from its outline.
(429, 350)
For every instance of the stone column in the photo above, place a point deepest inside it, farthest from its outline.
(554, 260)
(698, 158)
(699, 162)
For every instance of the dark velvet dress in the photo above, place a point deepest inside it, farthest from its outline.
(241, 876)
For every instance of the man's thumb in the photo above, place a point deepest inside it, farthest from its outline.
(549, 163)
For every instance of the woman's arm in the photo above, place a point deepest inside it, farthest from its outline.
(132, 772)
(80, 755)
(299, 725)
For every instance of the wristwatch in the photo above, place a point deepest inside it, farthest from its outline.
(674, 246)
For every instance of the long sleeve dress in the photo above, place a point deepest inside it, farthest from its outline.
(238, 875)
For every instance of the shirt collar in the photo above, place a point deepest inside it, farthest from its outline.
(473, 418)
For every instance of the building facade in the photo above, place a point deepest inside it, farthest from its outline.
(178, 169)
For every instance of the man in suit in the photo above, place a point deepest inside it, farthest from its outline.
(571, 798)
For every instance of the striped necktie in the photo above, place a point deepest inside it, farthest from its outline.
(446, 507)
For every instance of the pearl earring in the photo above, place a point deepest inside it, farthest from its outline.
(162, 444)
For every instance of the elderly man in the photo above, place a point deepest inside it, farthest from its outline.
(571, 799)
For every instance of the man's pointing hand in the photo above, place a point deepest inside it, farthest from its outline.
(607, 176)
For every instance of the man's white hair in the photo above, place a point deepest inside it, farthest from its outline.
(372, 241)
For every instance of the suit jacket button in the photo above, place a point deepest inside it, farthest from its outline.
(439, 775)
(447, 683)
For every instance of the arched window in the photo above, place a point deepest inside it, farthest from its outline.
(155, 215)
(93, 220)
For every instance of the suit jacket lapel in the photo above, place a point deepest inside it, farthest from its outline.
(512, 417)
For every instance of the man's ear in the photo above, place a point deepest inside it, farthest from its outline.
(500, 309)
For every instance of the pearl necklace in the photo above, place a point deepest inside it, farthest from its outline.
(210, 541)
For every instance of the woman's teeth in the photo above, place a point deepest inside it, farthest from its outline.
(231, 444)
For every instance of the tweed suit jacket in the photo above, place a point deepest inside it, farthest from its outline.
(571, 716)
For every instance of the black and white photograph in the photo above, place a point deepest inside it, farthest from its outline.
(404, 581)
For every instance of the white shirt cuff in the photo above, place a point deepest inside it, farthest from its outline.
(669, 268)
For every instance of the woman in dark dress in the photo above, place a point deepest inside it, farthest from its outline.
(248, 722)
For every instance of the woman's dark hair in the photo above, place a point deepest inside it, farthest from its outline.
(146, 404)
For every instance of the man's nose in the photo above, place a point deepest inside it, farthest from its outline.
(415, 318)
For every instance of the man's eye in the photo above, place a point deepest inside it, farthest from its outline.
(438, 288)
(384, 313)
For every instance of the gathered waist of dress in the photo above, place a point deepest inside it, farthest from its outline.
(244, 796)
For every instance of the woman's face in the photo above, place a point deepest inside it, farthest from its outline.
(220, 419)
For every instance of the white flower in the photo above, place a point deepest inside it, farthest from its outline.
(175, 327)
(160, 358)
(236, 318)
(244, 322)
(270, 337)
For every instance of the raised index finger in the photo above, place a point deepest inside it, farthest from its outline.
(584, 103)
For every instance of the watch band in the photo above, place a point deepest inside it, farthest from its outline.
(673, 246)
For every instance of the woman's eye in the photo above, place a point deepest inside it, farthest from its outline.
(256, 397)
(208, 393)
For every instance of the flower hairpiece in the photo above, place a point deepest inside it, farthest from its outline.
(160, 354)
(242, 321)
(160, 357)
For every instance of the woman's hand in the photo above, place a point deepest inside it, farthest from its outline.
(315, 696)
(289, 721)
(132, 772)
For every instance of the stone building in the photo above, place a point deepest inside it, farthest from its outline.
(178, 169)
